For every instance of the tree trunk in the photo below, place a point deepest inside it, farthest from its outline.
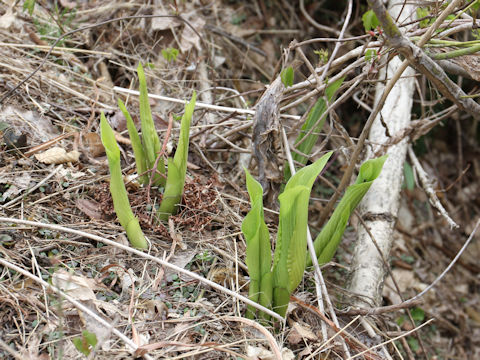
(379, 207)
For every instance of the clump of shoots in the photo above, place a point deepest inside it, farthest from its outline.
(149, 159)
(272, 286)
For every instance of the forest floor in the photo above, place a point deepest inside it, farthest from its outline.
(167, 314)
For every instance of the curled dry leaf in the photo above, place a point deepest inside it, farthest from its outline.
(93, 144)
(189, 38)
(78, 287)
(7, 19)
(90, 208)
(299, 333)
(156, 309)
(57, 155)
(257, 352)
(267, 140)
(164, 23)
(122, 139)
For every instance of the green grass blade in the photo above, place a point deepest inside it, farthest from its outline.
(258, 254)
(329, 238)
(289, 259)
(177, 168)
(150, 140)
(136, 144)
(316, 113)
(121, 203)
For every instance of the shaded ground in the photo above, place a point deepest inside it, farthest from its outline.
(239, 52)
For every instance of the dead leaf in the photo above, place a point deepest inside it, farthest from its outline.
(298, 333)
(68, 4)
(78, 287)
(31, 352)
(18, 183)
(39, 129)
(7, 19)
(180, 259)
(473, 314)
(69, 174)
(90, 208)
(471, 64)
(112, 309)
(122, 139)
(164, 23)
(189, 38)
(94, 145)
(406, 280)
(156, 309)
(94, 326)
(57, 155)
(256, 352)
(267, 140)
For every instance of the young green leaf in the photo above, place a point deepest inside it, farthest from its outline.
(409, 178)
(287, 76)
(177, 169)
(370, 20)
(170, 54)
(85, 343)
(29, 5)
(259, 255)
(151, 142)
(370, 55)
(289, 258)
(136, 144)
(121, 204)
(317, 113)
(329, 238)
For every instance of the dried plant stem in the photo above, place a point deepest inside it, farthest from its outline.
(271, 340)
(199, 105)
(428, 187)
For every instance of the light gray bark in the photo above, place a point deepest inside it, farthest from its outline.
(379, 207)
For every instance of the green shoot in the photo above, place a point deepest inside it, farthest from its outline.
(259, 255)
(177, 168)
(329, 238)
(289, 258)
(151, 142)
(121, 203)
(136, 144)
(29, 5)
(274, 287)
(315, 120)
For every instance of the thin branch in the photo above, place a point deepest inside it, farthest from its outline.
(422, 62)
(427, 186)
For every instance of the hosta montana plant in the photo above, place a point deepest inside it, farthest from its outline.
(272, 286)
(149, 160)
